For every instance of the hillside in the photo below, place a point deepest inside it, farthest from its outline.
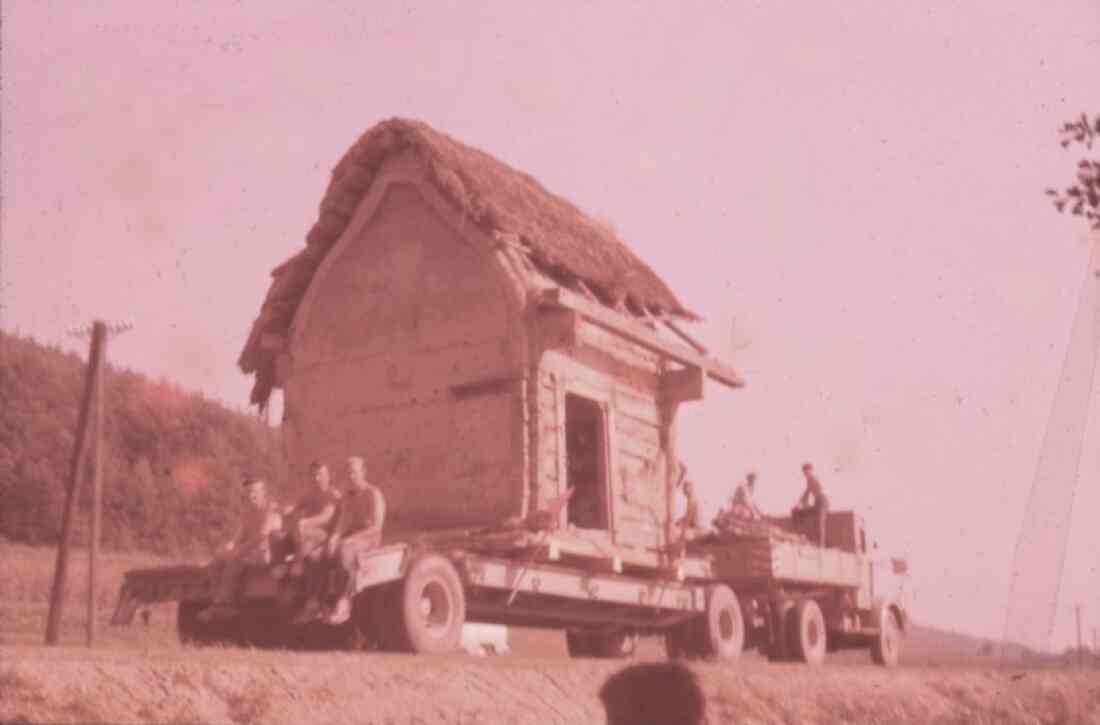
(172, 458)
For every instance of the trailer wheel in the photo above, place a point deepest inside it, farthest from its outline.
(188, 626)
(432, 606)
(806, 635)
(886, 647)
(723, 635)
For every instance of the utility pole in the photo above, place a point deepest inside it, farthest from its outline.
(1080, 647)
(93, 392)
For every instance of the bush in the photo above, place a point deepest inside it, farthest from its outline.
(172, 459)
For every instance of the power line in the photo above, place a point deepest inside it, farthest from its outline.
(1039, 558)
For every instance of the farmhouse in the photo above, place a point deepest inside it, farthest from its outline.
(483, 344)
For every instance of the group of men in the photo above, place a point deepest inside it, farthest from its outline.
(323, 535)
(809, 513)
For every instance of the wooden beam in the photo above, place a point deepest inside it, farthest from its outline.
(682, 385)
(638, 333)
(587, 291)
(685, 337)
(557, 328)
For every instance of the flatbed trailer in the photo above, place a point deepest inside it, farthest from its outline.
(790, 600)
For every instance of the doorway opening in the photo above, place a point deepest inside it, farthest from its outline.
(586, 463)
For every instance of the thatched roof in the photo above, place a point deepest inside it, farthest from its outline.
(559, 239)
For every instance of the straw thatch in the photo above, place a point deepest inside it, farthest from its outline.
(559, 239)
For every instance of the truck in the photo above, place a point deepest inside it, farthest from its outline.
(788, 598)
(487, 348)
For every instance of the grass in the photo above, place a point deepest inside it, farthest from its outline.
(26, 578)
(143, 672)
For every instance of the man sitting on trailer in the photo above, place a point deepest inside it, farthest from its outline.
(812, 507)
(743, 517)
(743, 505)
(250, 547)
(309, 526)
(362, 513)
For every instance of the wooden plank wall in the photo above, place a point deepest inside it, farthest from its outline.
(623, 376)
(410, 359)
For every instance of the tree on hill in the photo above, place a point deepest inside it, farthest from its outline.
(172, 459)
(1083, 197)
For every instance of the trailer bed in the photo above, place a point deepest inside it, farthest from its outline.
(754, 563)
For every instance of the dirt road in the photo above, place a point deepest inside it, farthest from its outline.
(73, 685)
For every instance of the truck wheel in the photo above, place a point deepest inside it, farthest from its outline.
(886, 647)
(723, 634)
(807, 632)
(188, 627)
(779, 646)
(432, 606)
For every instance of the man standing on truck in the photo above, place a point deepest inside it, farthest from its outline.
(688, 523)
(359, 529)
(250, 547)
(812, 505)
(309, 525)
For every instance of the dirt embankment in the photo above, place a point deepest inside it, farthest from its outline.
(71, 685)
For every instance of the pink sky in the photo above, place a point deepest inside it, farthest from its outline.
(850, 193)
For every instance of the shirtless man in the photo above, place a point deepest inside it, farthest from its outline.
(249, 547)
(812, 504)
(359, 529)
(309, 526)
(743, 505)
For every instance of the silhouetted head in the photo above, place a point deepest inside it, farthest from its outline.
(655, 693)
(807, 468)
(751, 480)
(320, 474)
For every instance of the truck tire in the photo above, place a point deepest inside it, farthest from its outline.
(188, 627)
(723, 627)
(193, 631)
(807, 632)
(432, 607)
(886, 647)
(779, 647)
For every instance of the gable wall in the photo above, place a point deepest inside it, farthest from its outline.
(408, 350)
